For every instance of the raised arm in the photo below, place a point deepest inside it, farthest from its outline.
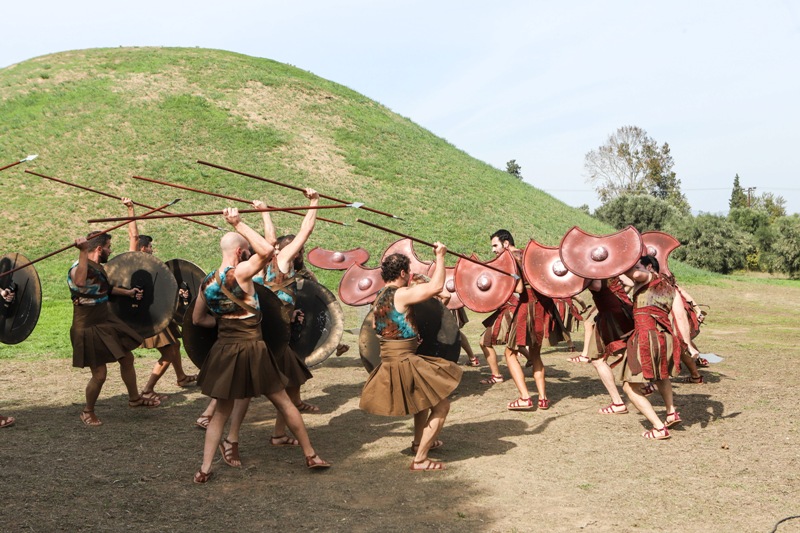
(245, 270)
(269, 227)
(133, 230)
(406, 296)
(81, 270)
(286, 254)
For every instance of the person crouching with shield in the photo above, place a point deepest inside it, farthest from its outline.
(405, 383)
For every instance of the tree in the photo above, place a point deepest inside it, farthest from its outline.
(787, 245)
(738, 197)
(774, 206)
(713, 243)
(642, 211)
(630, 162)
(514, 169)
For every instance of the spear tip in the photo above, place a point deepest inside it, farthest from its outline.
(356, 205)
(30, 158)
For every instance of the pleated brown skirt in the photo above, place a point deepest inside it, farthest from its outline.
(405, 383)
(170, 335)
(239, 364)
(99, 337)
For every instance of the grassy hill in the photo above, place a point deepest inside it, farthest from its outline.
(97, 117)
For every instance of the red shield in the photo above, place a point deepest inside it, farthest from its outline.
(546, 273)
(600, 256)
(359, 285)
(659, 245)
(331, 260)
(483, 289)
(406, 247)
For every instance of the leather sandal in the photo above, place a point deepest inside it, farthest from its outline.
(304, 407)
(6, 421)
(281, 441)
(311, 464)
(579, 359)
(143, 401)
(657, 434)
(544, 404)
(432, 465)
(520, 404)
(201, 477)
(89, 418)
(230, 453)
(188, 380)
(492, 379)
(436, 444)
(473, 361)
(699, 380)
(614, 409)
(701, 362)
(676, 419)
(203, 421)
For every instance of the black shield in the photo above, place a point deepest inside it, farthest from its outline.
(189, 277)
(197, 340)
(150, 315)
(320, 333)
(437, 328)
(19, 317)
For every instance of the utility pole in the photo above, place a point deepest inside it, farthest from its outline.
(750, 196)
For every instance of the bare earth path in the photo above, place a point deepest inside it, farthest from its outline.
(734, 465)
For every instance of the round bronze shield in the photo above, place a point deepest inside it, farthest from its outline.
(331, 260)
(189, 277)
(150, 315)
(406, 247)
(546, 273)
(321, 331)
(197, 340)
(437, 329)
(483, 289)
(660, 245)
(600, 256)
(359, 285)
(19, 317)
(450, 286)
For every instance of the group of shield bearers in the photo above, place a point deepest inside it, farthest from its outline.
(641, 319)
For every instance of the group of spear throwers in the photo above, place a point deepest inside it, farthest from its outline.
(639, 321)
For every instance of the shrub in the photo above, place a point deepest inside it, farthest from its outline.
(713, 242)
(644, 212)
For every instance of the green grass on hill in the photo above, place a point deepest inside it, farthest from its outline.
(97, 117)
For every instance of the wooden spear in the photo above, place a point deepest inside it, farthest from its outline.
(29, 158)
(116, 197)
(209, 213)
(296, 188)
(462, 256)
(224, 196)
(67, 247)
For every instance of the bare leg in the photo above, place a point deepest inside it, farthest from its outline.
(515, 370)
(280, 421)
(688, 360)
(642, 404)
(128, 373)
(431, 429)
(491, 358)
(538, 371)
(94, 387)
(214, 432)
(237, 417)
(420, 421)
(294, 420)
(204, 419)
(607, 378)
(665, 390)
(466, 346)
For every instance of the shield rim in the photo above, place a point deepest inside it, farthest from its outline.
(33, 275)
(176, 315)
(324, 350)
(674, 244)
(367, 298)
(352, 256)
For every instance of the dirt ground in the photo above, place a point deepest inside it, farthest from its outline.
(734, 465)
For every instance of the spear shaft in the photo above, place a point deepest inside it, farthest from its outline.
(69, 183)
(67, 247)
(274, 182)
(209, 213)
(223, 196)
(462, 256)
(15, 163)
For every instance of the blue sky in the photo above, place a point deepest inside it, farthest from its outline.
(539, 82)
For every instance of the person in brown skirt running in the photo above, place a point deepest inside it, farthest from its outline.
(98, 336)
(168, 341)
(239, 365)
(405, 383)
